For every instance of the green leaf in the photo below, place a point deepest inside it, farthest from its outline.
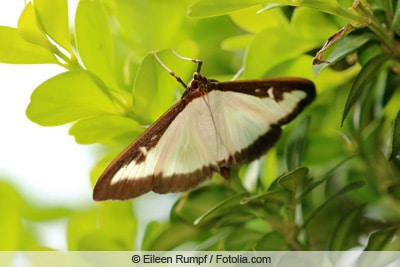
(137, 23)
(16, 50)
(68, 97)
(381, 240)
(333, 149)
(94, 40)
(177, 234)
(242, 239)
(394, 191)
(153, 230)
(209, 8)
(303, 23)
(276, 41)
(218, 206)
(395, 151)
(279, 196)
(114, 216)
(11, 228)
(326, 176)
(251, 21)
(296, 144)
(106, 129)
(298, 67)
(348, 45)
(200, 202)
(367, 74)
(292, 180)
(53, 17)
(100, 229)
(273, 241)
(155, 89)
(396, 19)
(30, 29)
(233, 217)
(80, 225)
(46, 213)
(377, 241)
(368, 51)
(99, 241)
(345, 234)
(342, 191)
(237, 42)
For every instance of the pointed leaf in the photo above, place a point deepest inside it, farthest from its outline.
(296, 144)
(68, 97)
(368, 51)
(348, 45)
(345, 235)
(342, 191)
(293, 179)
(198, 202)
(30, 29)
(367, 74)
(16, 50)
(327, 175)
(53, 17)
(221, 204)
(280, 196)
(94, 40)
(396, 138)
(331, 43)
(396, 19)
(380, 239)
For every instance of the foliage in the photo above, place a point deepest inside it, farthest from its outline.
(332, 182)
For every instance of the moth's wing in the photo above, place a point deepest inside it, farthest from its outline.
(173, 155)
(233, 124)
(250, 114)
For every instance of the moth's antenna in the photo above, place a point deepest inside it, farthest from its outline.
(169, 71)
(198, 61)
(238, 73)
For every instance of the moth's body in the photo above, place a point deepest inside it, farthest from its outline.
(215, 125)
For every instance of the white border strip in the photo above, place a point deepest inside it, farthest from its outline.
(199, 258)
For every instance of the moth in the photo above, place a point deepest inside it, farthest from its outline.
(214, 126)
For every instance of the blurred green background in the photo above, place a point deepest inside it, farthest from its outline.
(332, 181)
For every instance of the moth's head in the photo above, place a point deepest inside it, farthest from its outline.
(194, 84)
(199, 86)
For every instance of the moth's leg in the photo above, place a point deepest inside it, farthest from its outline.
(173, 74)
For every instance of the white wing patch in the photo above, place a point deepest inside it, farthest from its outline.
(210, 130)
